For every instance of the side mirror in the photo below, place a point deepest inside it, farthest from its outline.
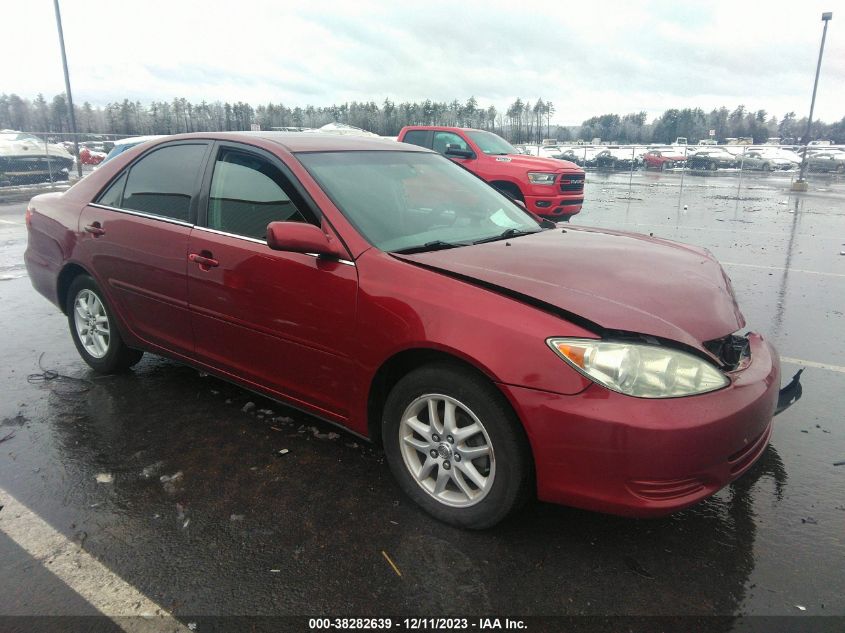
(300, 237)
(454, 150)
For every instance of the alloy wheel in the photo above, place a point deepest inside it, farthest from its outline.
(447, 450)
(92, 323)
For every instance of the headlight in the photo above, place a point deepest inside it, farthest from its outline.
(640, 370)
(541, 178)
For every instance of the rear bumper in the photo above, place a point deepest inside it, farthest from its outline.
(43, 274)
(605, 451)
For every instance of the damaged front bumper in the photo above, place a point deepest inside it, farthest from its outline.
(602, 450)
(734, 352)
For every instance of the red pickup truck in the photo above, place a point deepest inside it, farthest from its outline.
(548, 187)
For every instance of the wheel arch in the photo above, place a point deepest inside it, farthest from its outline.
(508, 185)
(401, 364)
(69, 272)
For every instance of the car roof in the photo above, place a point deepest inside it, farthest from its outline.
(311, 141)
(137, 139)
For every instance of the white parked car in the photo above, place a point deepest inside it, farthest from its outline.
(765, 161)
(782, 152)
(340, 128)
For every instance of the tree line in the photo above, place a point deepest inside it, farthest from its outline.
(695, 124)
(521, 122)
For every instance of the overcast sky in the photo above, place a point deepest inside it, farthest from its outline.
(588, 58)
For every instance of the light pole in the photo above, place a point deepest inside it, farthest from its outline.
(801, 184)
(67, 88)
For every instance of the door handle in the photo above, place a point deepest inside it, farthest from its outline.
(204, 262)
(95, 229)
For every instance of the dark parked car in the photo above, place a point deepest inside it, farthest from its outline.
(385, 289)
(829, 161)
(712, 159)
(618, 158)
(575, 155)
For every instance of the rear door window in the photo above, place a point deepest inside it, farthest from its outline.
(417, 137)
(442, 141)
(164, 181)
(111, 196)
(247, 193)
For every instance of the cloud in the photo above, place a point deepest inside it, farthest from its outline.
(588, 58)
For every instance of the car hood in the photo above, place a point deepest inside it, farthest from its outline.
(612, 280)
(536, 163)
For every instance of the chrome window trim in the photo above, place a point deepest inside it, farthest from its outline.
(339, 261)
(235, 235)
(264, 242)
(150, 216)
(141, 214)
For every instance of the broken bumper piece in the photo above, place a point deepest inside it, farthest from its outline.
(790, 394)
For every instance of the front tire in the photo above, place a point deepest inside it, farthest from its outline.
(455, 446)
(94, 331)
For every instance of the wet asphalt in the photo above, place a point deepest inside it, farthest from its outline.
(231, 509)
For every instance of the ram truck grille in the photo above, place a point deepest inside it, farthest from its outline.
(572, 182)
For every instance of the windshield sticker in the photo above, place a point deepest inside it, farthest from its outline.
(501, 218)
(503, 159)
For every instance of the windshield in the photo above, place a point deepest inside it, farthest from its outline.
(490, 143)
(414, 200)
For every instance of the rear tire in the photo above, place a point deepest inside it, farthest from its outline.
(430, 454)
(94, 330)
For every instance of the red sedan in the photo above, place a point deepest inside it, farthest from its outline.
(664, 159)
(385, 289)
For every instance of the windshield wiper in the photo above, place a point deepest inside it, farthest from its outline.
(505, 235)
(436, 245)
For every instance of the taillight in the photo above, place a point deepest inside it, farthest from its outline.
(28, 216)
